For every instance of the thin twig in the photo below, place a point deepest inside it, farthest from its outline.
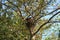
(42, 7)
(17, 8)
(54, 22)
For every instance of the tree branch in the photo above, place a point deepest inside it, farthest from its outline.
(4, 4)
(54, 22)
(47, 14)
(27, 9)
(45, 23)
(17, 8)
(7, 6)
(42, 7)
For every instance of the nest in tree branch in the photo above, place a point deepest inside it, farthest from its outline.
(30, 23)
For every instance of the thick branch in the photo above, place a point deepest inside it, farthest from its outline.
(45, 23)
(30, 33)
(47, 14)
